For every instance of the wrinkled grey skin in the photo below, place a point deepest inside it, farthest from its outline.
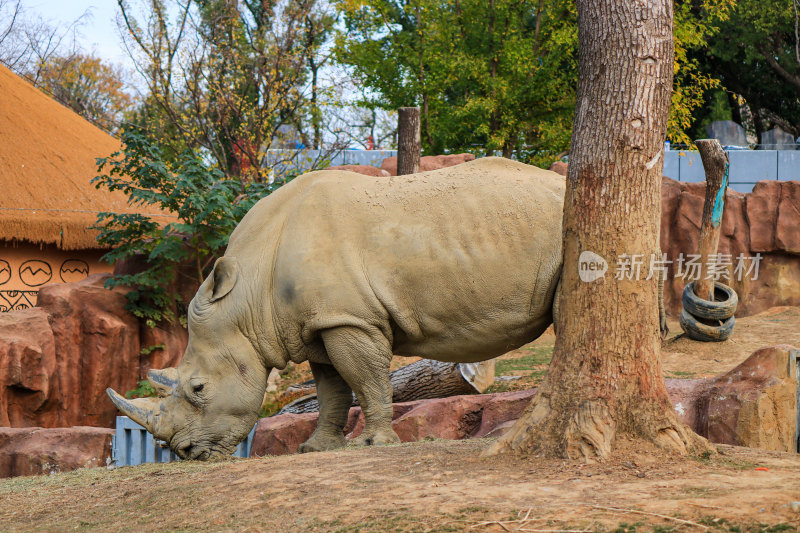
(344, 270)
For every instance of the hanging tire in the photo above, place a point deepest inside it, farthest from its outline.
(722, 308)
(703, 332)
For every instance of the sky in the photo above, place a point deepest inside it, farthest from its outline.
(98, 33)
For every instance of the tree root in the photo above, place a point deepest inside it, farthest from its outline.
(589, 433)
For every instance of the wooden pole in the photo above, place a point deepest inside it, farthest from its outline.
(715, 163)
(409, 143)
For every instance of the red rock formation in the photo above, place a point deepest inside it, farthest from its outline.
(30, 451)
(57, 359)
(752, 405)
(559, 167)
(28, 369)
(765, 221)
(456, 417)
(429, 162)
(367, 170)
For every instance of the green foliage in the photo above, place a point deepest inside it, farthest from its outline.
(150, 349)
(755, 56)
(187, 211)
(143, 390)
(500, 76)
(226, 77)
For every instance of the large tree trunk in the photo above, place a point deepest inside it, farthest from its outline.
(605, 378)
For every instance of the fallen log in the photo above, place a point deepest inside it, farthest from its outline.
(422, 380)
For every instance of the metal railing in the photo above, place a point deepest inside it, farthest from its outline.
(132, 445)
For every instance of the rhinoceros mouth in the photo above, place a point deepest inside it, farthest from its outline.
(189, 451)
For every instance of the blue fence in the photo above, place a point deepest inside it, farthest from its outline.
(292, 162)
(131, 445)
(747, 167)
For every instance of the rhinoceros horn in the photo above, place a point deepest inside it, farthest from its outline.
(140, 410)
(164, 381)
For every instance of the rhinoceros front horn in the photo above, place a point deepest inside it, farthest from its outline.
(163, 381)
(140, 410)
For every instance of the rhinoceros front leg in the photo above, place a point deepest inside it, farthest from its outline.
(362, 358)
(335, 398)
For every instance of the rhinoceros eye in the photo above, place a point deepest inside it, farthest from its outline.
(198, 388)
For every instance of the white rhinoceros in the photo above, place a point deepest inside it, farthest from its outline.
(343, 270)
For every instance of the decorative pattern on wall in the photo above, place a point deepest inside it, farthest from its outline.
(35, 273)
(16, 300)
(20, 292)
(73, 270)
(5, 272)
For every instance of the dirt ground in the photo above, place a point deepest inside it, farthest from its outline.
(446, 486)
(433, 486)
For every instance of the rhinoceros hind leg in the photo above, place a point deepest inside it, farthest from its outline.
(335, 397)
(362, 357)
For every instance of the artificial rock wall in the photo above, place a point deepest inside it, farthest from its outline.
(57, 359)
(765, 221)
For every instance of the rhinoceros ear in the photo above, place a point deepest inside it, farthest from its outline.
(226, 272)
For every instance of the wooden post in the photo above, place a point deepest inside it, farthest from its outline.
(715, 163)
(409, 143)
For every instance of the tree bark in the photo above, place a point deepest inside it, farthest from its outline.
(605, 379)
(408, 140)
(714, 162)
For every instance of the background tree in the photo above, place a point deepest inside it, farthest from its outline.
(496, 76)
(28, 41)
(47, 54)
(89, 86)
(605, 381)
(229, 77)
(756, 56)
(500, 79)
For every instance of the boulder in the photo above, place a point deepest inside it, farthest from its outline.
(282, 434)
(762, 222)
(57, 359)
(429, 162)
(28, 369)
(752, 405)
(456, 417)
(367, 170)
(30, 451)
(559, 167)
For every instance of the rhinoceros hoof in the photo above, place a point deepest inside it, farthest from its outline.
(321, 443)
(375, 438)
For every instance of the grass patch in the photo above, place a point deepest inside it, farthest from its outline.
(539, 356)
(680, 374)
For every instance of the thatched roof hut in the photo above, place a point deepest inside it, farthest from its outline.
(47, 203)
(47, 158)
